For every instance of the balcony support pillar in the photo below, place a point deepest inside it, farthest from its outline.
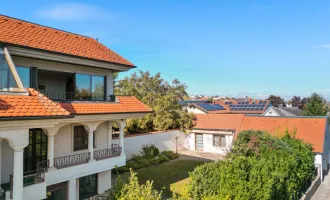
(121, 124)
(18, 174)
(110, 134)
(91, 145)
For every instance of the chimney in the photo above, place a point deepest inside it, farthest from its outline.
(280, 105)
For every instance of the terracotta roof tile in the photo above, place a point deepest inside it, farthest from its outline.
(23, 33)
(311, 129)
(32, 105)
(215, 121)
(126, 104)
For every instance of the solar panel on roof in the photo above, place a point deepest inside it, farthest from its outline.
(211, 107)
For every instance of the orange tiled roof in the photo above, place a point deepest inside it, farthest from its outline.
(33, 105)
(215, 121)
(311, 129)
(23, 33)
(127, 104)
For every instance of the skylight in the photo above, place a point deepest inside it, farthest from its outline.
(9, 79)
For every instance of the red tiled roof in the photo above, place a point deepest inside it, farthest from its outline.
(215, 121)
(127, 104)
(23, 33)
(311, 130)
(33, 105)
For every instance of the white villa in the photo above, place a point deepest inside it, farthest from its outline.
(57, 112)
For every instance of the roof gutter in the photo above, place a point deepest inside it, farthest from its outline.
(36, 118)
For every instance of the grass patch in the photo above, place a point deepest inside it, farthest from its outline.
(166, 174)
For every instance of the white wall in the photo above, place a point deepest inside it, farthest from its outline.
(193, 109)
(163, 140)
(64, 140)
(104, 181)
(208, 143)
(270, 112)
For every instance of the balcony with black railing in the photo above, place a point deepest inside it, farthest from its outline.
(72, 96)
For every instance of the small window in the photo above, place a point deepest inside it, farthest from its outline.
(219, 140)
(80, 138)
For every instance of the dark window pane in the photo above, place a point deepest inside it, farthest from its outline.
(87, 186)
(38, 150)
(24, 74)
(83, 86)
(98, 87)
(5, 74)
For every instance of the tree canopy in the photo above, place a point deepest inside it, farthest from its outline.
(159, 95)
(276, 101)
(315, 106)
(299, 102)
(260, 166)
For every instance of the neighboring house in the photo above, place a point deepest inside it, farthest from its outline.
(56, 139)
(185, 103)
(256, 107)
(215, 133)
(282, 111)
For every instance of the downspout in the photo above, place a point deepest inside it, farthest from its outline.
(321, 170)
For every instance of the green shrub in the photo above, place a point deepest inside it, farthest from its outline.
(149, 151)
(260, 166)
(170, 154)
(130, 189)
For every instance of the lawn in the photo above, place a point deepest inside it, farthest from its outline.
(167, 174)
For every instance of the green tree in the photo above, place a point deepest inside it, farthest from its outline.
(159, 95)
(261, 166)
(276, 101)
(132, 190)
(315, 106)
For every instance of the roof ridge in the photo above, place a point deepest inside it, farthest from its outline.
(33, 23)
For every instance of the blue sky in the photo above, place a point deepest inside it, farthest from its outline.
(241, 47)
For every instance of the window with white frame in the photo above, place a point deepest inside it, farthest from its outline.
(219, 140)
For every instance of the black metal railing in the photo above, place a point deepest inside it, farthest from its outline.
(115, 150)
(67, 161)
(73, 96)
(32, 177)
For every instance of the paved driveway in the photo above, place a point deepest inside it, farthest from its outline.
(323, 192)
(199, 155)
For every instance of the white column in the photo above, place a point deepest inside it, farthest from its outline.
(50, 153)
(18, 174)
(104, 181)
(109, 135)
(72, 189)
(121, 139)
(90, 144)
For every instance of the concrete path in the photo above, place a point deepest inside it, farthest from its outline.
(323, 192)
(199, 155)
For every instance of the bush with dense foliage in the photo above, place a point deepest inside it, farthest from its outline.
(131, 190)
(315, 106)
(150, 155)
(260, 166)
(162, 97)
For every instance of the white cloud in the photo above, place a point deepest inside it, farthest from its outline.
(72, 12)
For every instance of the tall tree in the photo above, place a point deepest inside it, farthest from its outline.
(159, 95)
(299, 102)
(276, 100)
(315, 106)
